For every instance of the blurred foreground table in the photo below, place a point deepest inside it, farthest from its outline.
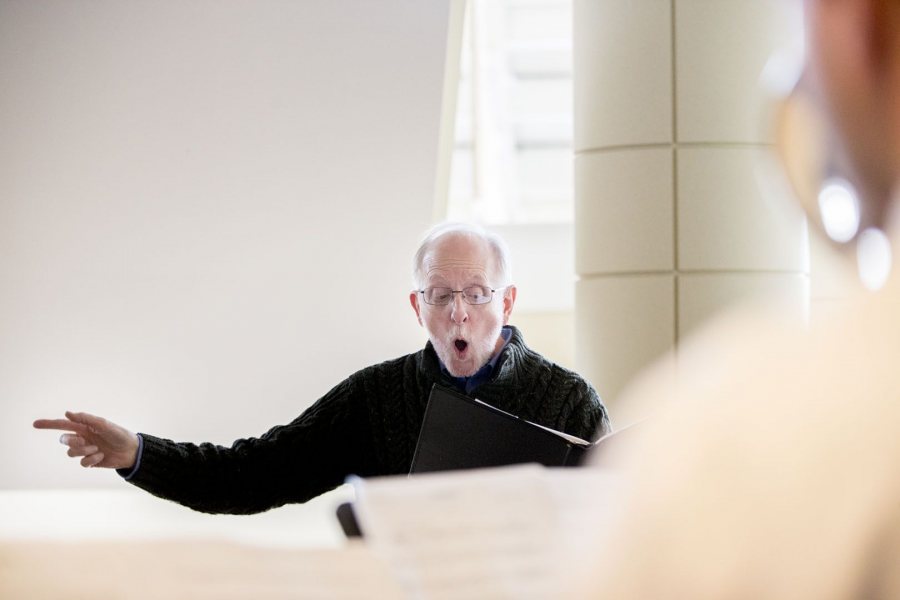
(189, 569)
(124, 543)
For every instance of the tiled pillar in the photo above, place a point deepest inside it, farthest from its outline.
(671, 221)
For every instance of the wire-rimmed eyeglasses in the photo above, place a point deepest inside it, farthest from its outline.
(473, 294)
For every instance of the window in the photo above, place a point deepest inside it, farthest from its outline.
(512, 157)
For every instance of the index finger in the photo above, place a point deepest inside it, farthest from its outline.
(59, 424)
(86, 419)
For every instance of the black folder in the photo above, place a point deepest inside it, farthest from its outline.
(459, 432)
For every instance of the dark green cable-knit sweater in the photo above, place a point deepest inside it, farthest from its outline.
(367, 425)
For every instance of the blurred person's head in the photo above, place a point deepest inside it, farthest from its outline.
(463, 295)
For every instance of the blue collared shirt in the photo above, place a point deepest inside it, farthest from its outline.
(468, 384)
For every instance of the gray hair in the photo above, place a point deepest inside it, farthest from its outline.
(495, 243)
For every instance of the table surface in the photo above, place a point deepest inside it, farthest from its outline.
(189, 568)
(125, 543)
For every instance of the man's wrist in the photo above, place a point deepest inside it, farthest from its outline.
(128, 473)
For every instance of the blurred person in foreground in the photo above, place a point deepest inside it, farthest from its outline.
(368, 424)
(774, 469)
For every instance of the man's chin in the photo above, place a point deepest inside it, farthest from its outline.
(467, 371)
(460, 368)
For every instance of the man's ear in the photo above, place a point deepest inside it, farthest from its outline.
(509, 300)
(414, 301)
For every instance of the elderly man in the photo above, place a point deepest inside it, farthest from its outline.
(368, 424)
(776, 473)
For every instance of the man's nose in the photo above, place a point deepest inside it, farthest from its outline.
(459, 312)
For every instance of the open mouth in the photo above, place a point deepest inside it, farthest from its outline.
(461, 345)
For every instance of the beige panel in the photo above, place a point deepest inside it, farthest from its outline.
(724, 219)
(552, 333)
(701, 296)
(623, 61)
(721, 50)
(622, 324)
(624, 211)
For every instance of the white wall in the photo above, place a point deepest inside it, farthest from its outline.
(207, 210)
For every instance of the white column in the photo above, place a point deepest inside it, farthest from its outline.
(672, 223)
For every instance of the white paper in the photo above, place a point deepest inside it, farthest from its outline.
(486, 533)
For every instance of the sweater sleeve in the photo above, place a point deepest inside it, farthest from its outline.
(290, 463)
(588, 415)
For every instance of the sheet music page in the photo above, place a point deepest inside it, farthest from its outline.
(583, 503)
(486, 533)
